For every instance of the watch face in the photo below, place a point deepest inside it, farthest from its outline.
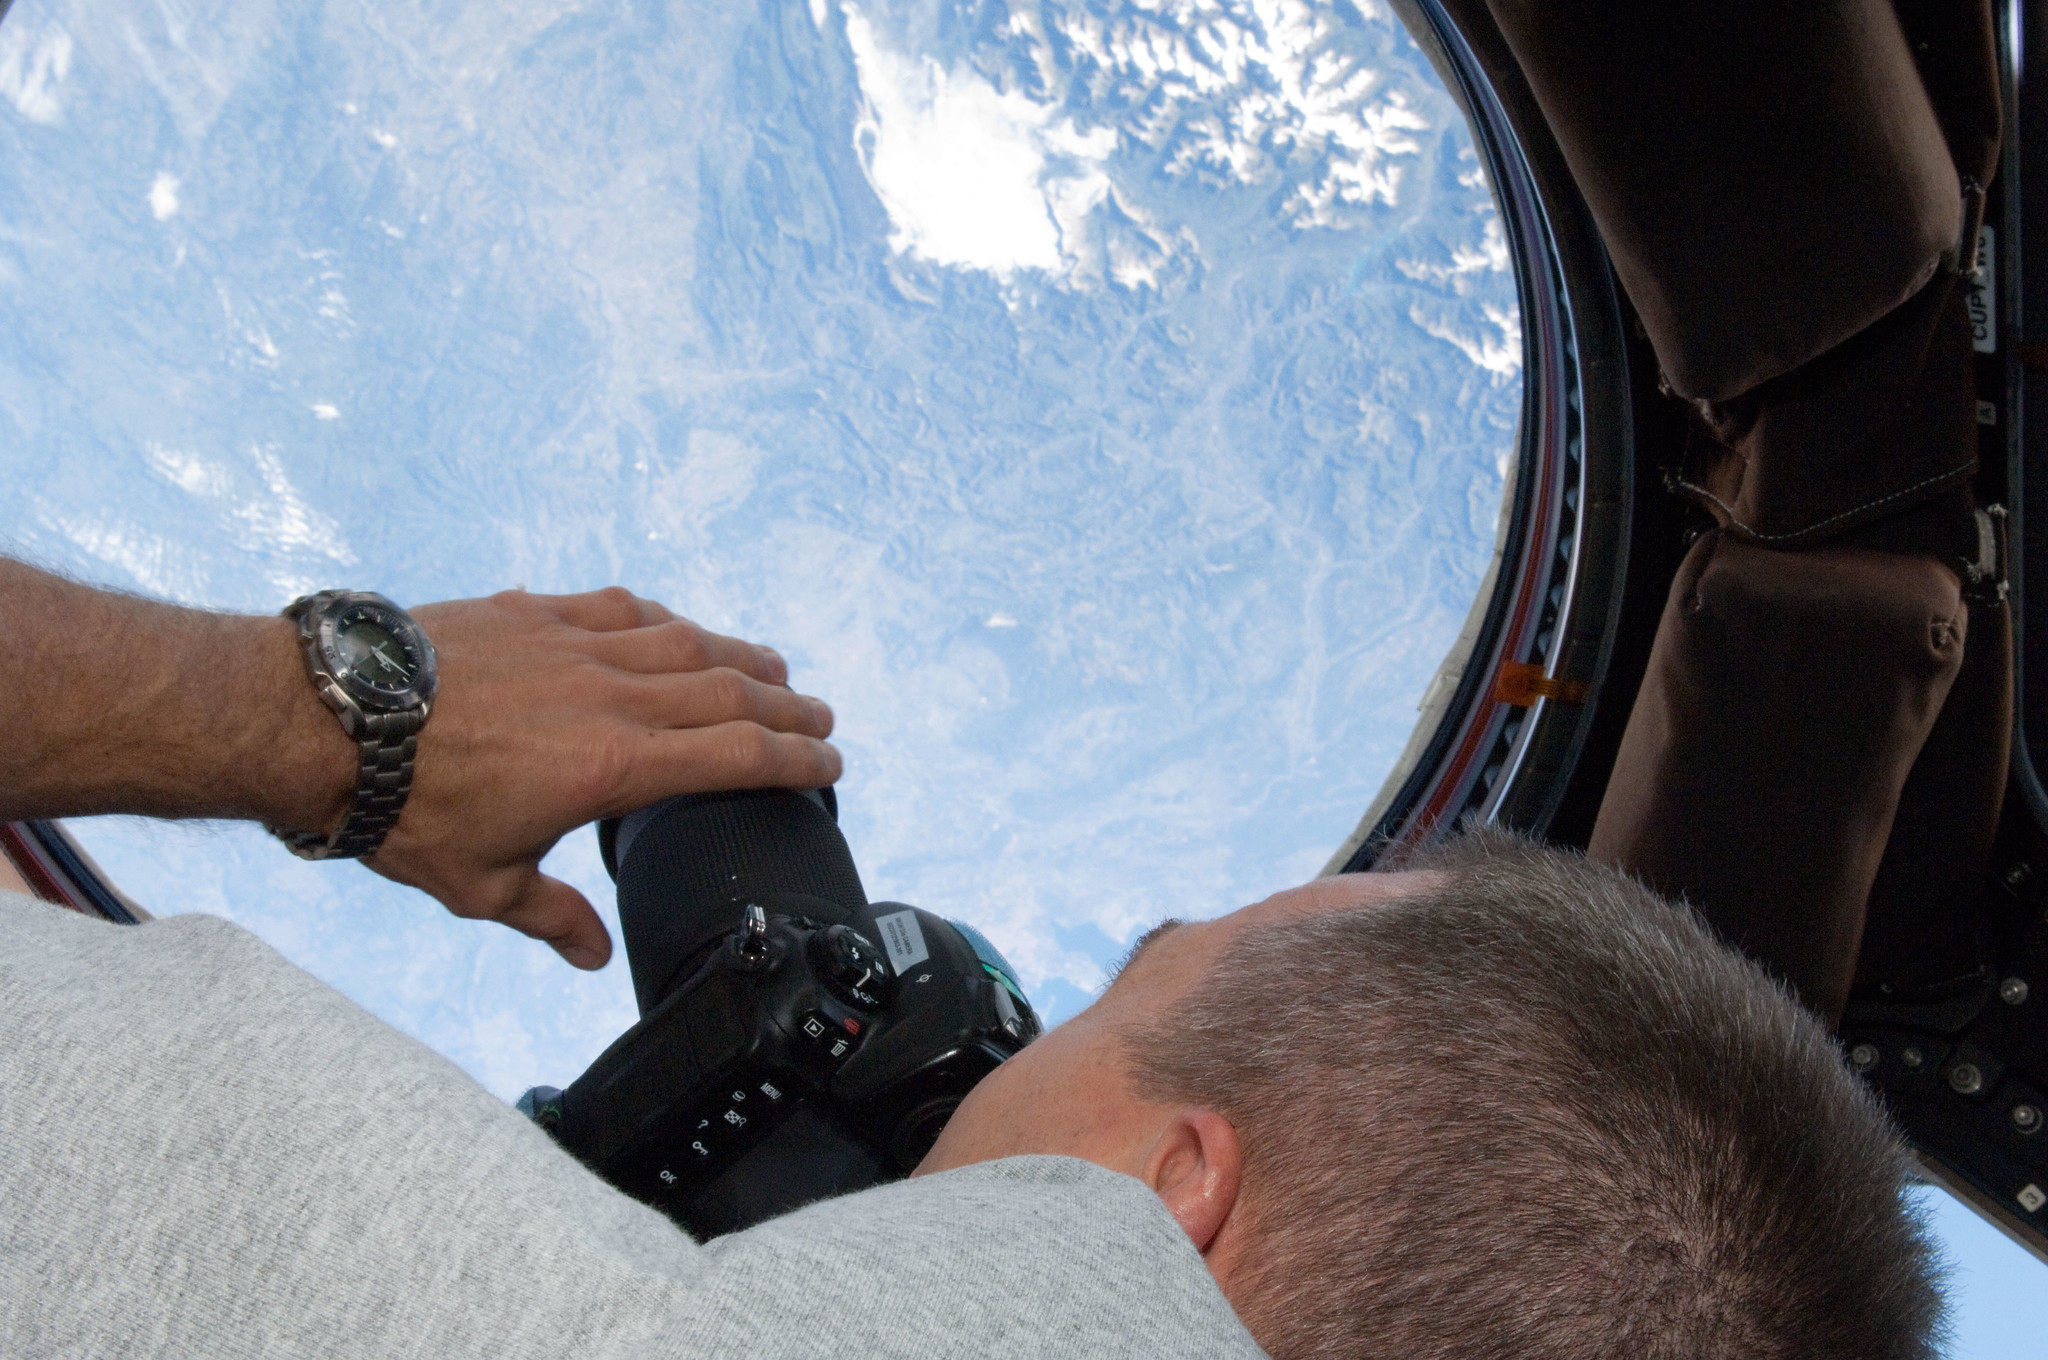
(378, 654)
(375, 655)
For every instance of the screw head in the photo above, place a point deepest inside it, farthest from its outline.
(2018, 874)
(2026, 1118)
(1863, 1057)
(1966, 1079)
(2013, 991)
(1912, 1058)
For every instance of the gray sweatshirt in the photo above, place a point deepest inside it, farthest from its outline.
(206, 1152)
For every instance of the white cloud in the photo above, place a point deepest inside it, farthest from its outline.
(188, 472)
(1490, 256)
(325, 411)
(163, 196)
(256, 502)
(957, 163)
(1235, 87)
(1498, 351)
(991, 179)
(153, 562)
(1237, 91)
(282, 519)
(193, 57)
(263, 350)
(32, 65)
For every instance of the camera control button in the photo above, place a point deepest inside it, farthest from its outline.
(828, 1038)
(712, 1131)
(851, 966)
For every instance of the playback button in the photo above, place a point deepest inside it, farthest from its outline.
(830, 1039)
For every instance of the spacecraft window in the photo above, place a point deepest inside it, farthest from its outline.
(1107, 408)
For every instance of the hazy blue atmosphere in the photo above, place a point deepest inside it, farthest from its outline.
(1104, 405)
(1106, 411)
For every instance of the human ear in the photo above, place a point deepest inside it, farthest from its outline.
(1195, 1167)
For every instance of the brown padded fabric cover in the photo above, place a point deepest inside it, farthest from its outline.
(1879, 424)
(1920, 940)
(1955, 45)
(1769, 175)
(1788, 694)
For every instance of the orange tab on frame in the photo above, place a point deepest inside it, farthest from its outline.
(1522, 683)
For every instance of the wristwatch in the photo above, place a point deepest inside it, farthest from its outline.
(375, 668)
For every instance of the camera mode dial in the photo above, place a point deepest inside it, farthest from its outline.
(851, 966)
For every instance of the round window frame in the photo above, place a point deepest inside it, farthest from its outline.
(1507, 721)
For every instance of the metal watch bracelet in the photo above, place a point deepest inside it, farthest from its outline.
(385, 743)
(381, 717)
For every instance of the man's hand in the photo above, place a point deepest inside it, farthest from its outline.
(552, 711)
(558, 710)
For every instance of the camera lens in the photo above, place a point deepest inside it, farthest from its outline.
(687, 867)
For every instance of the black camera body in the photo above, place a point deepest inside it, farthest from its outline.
(795, 1041)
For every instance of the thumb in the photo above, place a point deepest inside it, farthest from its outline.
(549, 909)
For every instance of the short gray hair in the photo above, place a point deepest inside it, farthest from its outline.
(1536, 1110)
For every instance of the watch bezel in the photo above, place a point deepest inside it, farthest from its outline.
(343, 608)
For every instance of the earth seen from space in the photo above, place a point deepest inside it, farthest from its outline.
(1104, 405)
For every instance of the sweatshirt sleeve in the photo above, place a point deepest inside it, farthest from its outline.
(211, 1153)
(1028, 1256)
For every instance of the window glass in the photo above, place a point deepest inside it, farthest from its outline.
(1996, 1288)
(1104, 405)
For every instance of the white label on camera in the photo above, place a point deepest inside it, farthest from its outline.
(1983, 300)
(903, 937)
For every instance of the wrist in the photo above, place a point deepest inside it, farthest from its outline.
(298, 763)
(371, 664)
(123, 705)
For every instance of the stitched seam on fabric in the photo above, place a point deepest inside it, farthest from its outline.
(1822, 524)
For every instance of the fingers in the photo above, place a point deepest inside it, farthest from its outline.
(606, 611)
(515, 894)
(708, 698)
(733, 755)
(644, 636)
(614, 703)
(556, 913)
(679, 645)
